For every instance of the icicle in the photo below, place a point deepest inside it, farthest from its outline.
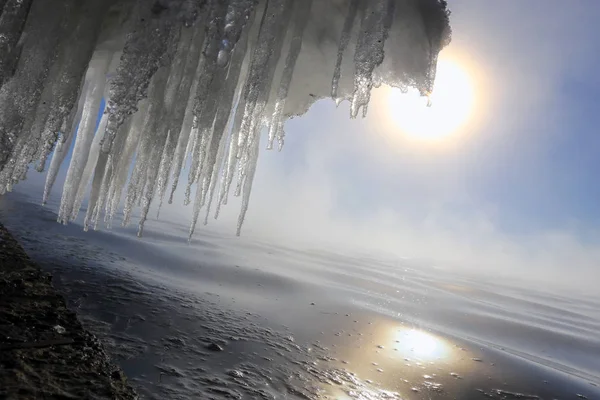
(207, 175)
(120, 147)
(226, 24)
(435, 20)
(259, 85)
(232, 150)
(213, 72)
(229, 168)
(265, 57)
(224, 155)
(176, 107)
(184, 147)
(97, 182)
(301, 19)
(89, 169)
(209, 195)
(256, 89)
(153, 144)
(62, 85)
(252, 162)
(85, 135)
(375, 24)
(134, 188)
(148, 144)
(226, 100)
(64, 144)
(208, 171)
(163, 173)
(151, 176)
(71, 66)
(145, 51)
(202, 141)
(163, 95)
(187, 64)
(194, 139)
(148, 195)
(96, 165)
(52, 131)
(123, 163)
(254, 129)
(344, 41)
(159, 165)
(58, 157)
(19, 96)
(102, 166)
(97, 209)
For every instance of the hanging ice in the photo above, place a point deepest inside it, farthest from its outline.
(188, 79)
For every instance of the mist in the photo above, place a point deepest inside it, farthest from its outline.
(493, 201)
(497, 199)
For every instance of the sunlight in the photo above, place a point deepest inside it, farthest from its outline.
(419, 343)
(451, 104)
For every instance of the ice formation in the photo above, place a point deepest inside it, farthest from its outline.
(188, 84)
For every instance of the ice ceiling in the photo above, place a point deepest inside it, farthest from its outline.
(189, 85)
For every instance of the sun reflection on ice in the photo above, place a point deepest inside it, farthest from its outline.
(419, 343)
(394, 363)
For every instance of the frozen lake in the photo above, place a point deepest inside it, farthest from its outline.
(231, 318)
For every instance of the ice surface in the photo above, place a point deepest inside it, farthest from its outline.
(188, 80)
(308, 323)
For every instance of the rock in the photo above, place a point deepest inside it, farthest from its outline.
(51, 355)
(214, 347)
(59, 329)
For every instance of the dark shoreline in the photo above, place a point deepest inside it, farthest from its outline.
(44, 350)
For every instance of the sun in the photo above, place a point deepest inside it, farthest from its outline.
(448, 109)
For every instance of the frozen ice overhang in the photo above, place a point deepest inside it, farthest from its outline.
(195, 79)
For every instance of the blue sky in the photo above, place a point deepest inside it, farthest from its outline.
(540, 158)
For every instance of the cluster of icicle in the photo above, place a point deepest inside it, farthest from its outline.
(188, 85)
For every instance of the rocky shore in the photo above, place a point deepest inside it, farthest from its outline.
(44, 350)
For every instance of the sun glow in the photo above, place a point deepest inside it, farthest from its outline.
(419, 343)
(451, 104)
